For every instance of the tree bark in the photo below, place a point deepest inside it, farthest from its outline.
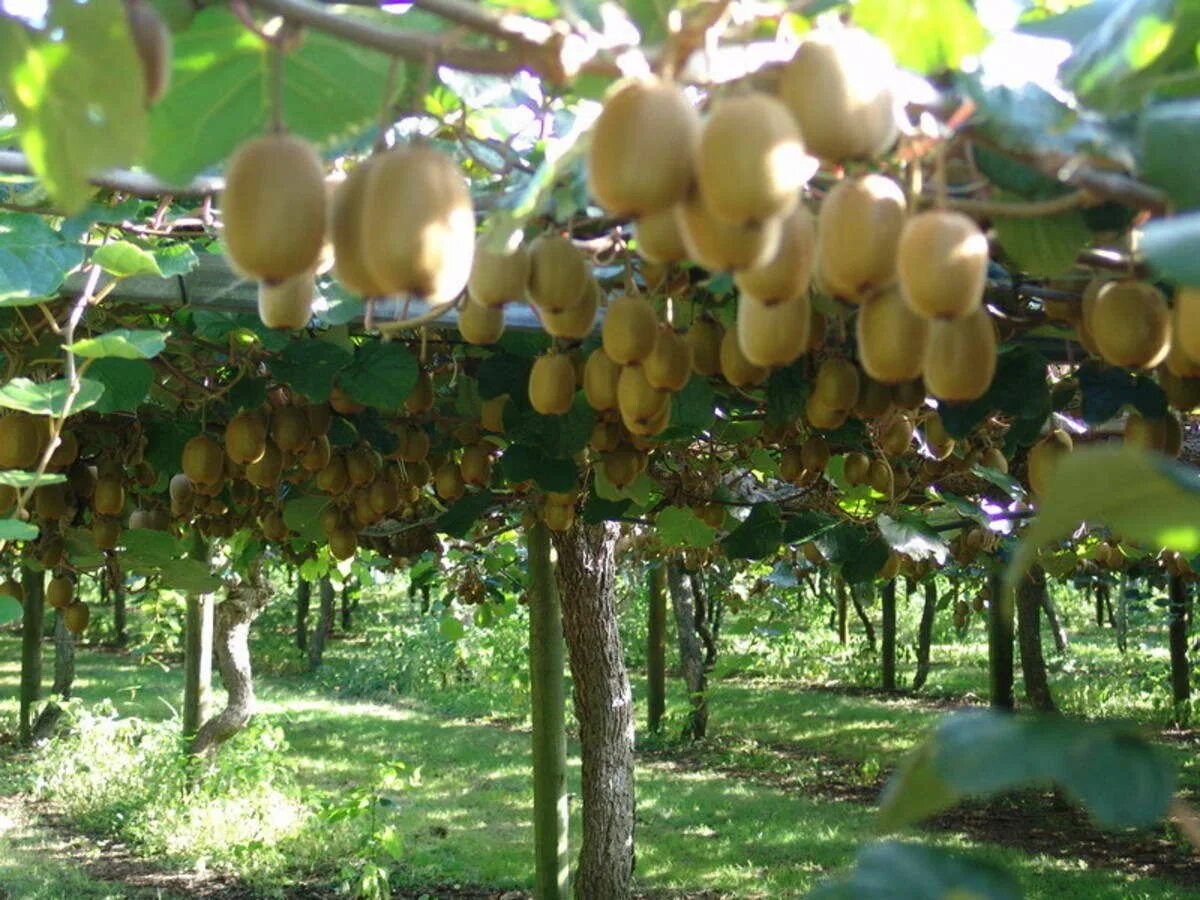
(197, 662)
(1057, 631)
(1029, 635)
(303, 602)
(691, 656)
(1122, 620)
(1181, 686)
(348, 603)
(64, 679)
(551, 813)
(708, 621)
(925, 635)
(234, 616)
(1099, 598)
(34, 584)
(113, 581)
(1000, 645)
(843, 625)
(320, 634)
(868, 628)
(888, 604)
(603, 708)
(656, 649)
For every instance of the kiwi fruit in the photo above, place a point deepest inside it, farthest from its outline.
(576, 323)
(558, 517)
(772, 335)
(640, 158)
(839, 87)
(498, 276)
(1131, 324)
(21, 441)
(993, 458)
(479, 324)
(60, 592)
(246, 437)
(286, 305)
(751, 163)
(638, 401)
(273, 527)
(1145, 433)
(558, 274)
(152, 41)
(791, 465)
(476, 465)
(669, 365)
(735, 367)
(789, 271)
(67, 450)
(1044, 456)
(891, 338)
(820, 416)
(874, 398)
(658, 238)
(895, 434)
(960, 358)
(1178, 362)
(274, 208)
(50, 501)
(334, 479)
(942, 263)
(362, 464)
(343, 543)
(421, 397)
(630, 329)
(855, 467)
(881, 477)
(721, 247)
(289, 429)
(937, 439)
(552, 384)
(345, 231)
(621, 466)
(1183, 394)
(858, 229)
(1187, 322)
(265, 471)
(109, 497)
(600, 375)
(448, 481)
(317, 454)
(342, 403)
(814, 453)
(491, 414)
(106, 532)
(605, 436)
(704, 337)
(418, 224)
(836, 385)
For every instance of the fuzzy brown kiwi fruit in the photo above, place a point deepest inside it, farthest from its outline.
(289, 428)
(1187, 322)
(773, 335)
(265, 471)
(705, 336)
(638, 401)
(814, 453)
(855, 467)
(558, 274)
(788, 273)
(60, 592)
(576, 323)
(50, 501)
(20, 441)
(874, 398)
(318, 454)
(476, 465)
(273, 527)
(630, 329)
(735, 368)
(109, 496)
(498, 276)
(152, 41)
(552, 384)
(1183, 394)
(858, 229)
(896, 434)
(721, 247)
(448, 482)
(274, 208)
(658, 238)
(836, 385)
(791, 465)
(246, 437)
(669, 365)
(891, 338)
(751, 162)
(346, 231)
(1131, 324)
(362, 464)
(881, 478)
(421, 398)
(942, 262)
(839, 87)
(334, 479)
(286, 305)
(1044, 457)
(343, 543)
(1178, 362)
(479, 324)
(621, 466)
(76, 617)
(558, 517)
(960, 358)
(605, 436)
(418, 224)
(67, 450)
(820, 416)
(491, 415)
(938, 440)
(641, 155)
(600, 376)
(342, 403)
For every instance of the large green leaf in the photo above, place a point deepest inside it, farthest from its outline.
(126, 383)
(10, 609)
(34, 259)
(912, 536)
(309, 367)
(16, 530)
(528, 462)
(302, 515)
(1162, 130)
(189, 575)
(758, 536)
(691, 411)
(1169, 246)
(1105, 389)
(1142, 496)
(147, 550)
(1044, 245)
(218, 92)
(124, 260)
(49, 398)
(22, 480)
(121, 344)
(559, 436)
(927, 36)
(77, 93)
(678, 526)
(463, 513)
(892, 869)
(380, 375)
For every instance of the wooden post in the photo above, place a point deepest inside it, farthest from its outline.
(1000, 644)
(34, 584)
(197, 652)
(888, 603)
(1181, 690)
(656, 649)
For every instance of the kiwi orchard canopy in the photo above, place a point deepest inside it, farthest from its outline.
(839, 263)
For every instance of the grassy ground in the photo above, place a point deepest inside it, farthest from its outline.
(461, 806)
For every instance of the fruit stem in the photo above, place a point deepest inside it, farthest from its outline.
(275, 96)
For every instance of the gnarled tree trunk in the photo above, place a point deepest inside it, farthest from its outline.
(1000, 645)
(925, 635)
(603, 706)
(1057, 630)
(320, 634)
(34, 584)
(1029, 636)
(231, 640)
(691, 655)
(1181, 689)
(656, 648)
(708, 619)
(888, 604)
(303, 601)
(64, 678)
(856, 593)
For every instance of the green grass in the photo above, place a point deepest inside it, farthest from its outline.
(462, 803)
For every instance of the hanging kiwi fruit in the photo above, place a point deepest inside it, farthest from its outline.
(891, 338)
(704, 337)
(479, 324)
(658, 238)
(960, 358)
(773, 335)
(498, 276)
(942, 263)
(735, 367)
(287, 304)
(1131, 324)
(669, 365)
(719, 246)
(558, 274)
(858, 229)
(575, 323)
(552, 384)
(630, 329)
(788, 273)
(345, 230)
(152, 42)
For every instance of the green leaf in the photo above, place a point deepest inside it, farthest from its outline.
(503, 373)
(1145, 497)
(1043, 245)
(1169, 246)
(1162, 130)
(450, 628)
(77, 93)
(678, 526)
(16, 530)
(787, 391)
(380, 375)
(10, 609)
(49, 398)
(149, 550)
(863, 566)
(758, 536)
(302, 515)
(178, 259)
(34, 259)
(22, 480)
(807, 525)
(559, 436)
(309, 367)
(1105, 389)
(913, 537)
(219, 86)
(126, 383)
(463, 513)
(189, 575)
(892, 869)
(523, 462)
(124, 260)
(927, 36)
(598, 509)
(122, 344)
(691, 411)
